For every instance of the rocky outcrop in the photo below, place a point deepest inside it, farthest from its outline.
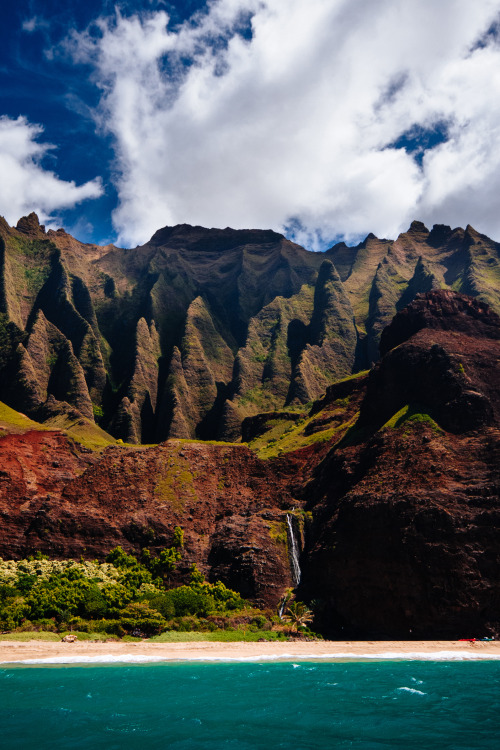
(442, 311)
(406, 506)
(30, 225)
(46, 367)
(264, 366)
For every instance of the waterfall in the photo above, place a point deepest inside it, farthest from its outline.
(281, 607)
(293, 550)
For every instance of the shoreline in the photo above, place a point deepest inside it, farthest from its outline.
(86, 652)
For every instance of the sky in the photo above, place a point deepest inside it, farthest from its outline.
(322, 119)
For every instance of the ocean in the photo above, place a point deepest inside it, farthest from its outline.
(368, 705)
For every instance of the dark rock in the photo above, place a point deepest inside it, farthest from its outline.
(441, 310)
(397, 548)
(30, 225)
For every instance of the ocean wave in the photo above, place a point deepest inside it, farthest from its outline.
(334, 656)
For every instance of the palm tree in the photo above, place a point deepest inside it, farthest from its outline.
(298, 615)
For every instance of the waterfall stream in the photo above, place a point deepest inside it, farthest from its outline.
(293, 550)
(281, 608)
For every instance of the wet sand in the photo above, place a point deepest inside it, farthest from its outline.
(85, 651)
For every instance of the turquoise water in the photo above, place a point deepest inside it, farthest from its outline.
(193, 706)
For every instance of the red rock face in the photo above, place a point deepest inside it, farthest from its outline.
(67, 503)
(406, 539)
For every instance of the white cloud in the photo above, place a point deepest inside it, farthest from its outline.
(30, 25)
(297, 122)
(25, 185)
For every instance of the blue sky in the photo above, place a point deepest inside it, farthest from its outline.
(55, 93)
(326, 120)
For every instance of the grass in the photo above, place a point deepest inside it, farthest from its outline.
(173, 636)
(81, 430)
(284, 436)
(260, 398)
(43, 635)
(281, 439)
(15, 419)
(31, 636)
(222, 636)
(355, 376)
(192, 441)
(410, 415)
(278, 532)
(279, 536)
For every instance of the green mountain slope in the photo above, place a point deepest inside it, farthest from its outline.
(199, 328)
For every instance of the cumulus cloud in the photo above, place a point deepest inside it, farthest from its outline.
(25, 185)
(276, 113)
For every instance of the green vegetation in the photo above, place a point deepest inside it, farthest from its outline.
(81, 430)
(299, 314)
(355, 376)
(284, 437)
(35, 278)
(10, 337)
(176, 483)
(14, 419)
(259, 397)
(124, 596)
(412, 414)
(228, 635)
(298, 615)
(329, 424)
(278, 533)
(97, 411)
(29, 635)
(30, 263)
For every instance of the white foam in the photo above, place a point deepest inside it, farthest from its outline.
(334, 656)
(411, 690)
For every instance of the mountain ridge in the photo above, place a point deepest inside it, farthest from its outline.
(198, 329)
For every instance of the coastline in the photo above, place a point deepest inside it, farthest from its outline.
(43, 652)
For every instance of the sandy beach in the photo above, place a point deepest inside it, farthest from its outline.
(85, 651)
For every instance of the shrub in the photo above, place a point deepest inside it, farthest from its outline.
(188, 601)
(139, 616)
(162, 603)
(116, 597)
(94, 604)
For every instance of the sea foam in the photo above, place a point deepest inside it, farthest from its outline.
(334, 656)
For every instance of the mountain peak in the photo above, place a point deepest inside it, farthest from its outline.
(197, 237)
(368, 237)
(30, 225)
(417, 227)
